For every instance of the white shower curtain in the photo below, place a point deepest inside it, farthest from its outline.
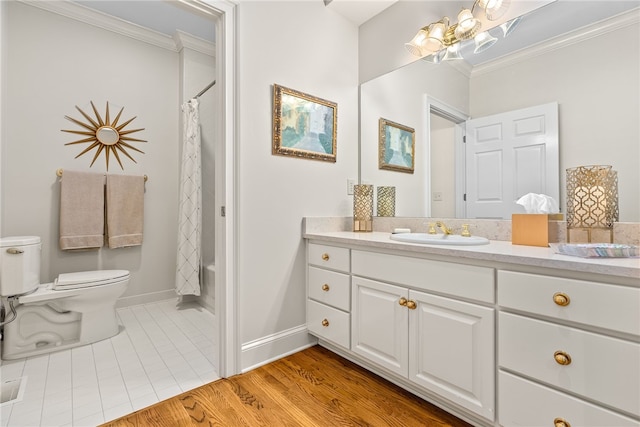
(190, 210)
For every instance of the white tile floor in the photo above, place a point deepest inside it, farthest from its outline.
(163, 350)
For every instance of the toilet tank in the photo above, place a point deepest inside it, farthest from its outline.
(19, 264)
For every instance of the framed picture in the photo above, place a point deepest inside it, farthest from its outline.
(396, 149)
(303, 125)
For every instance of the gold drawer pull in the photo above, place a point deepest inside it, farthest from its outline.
(562, 358)
(561, 299)
(411, 305)
(559, 422)
(325, 256)
(403, 301)
(325, 287)
(14, 251)
(325, 322)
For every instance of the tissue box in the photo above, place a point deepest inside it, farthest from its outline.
(533, 229)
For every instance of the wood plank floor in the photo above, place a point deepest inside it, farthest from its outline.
(314, 387)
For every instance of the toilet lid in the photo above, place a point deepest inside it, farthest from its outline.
(86, 279)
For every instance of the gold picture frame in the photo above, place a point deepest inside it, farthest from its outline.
(396, 146)
(303, 125)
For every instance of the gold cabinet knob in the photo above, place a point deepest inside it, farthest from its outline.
(411, 305)
(325, 287)
(403, 301)
(559, 422)
(325, 257)
(325, 322)
(561, 299)
(562, 358)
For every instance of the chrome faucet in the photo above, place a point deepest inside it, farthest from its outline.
(444, 228)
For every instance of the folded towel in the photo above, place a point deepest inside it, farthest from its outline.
(125, 210)
(81, 210)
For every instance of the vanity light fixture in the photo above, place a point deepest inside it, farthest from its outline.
(432, 39)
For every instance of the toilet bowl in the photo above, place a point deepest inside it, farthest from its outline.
(76, 309)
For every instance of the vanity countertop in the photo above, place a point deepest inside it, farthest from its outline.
(495, 251)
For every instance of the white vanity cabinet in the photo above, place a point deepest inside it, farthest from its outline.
(329, 293)
(440, 343)
(568, 351)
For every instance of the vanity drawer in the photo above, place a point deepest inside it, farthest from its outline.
(466, 281)
(328, 323)
(597, 304)
(602, 368)
(525, 403)
(329, 257)
(330, 287)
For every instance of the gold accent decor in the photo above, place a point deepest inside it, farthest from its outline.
(411, 304)
(386, 201)
(325, 322)
(325, 287)
(325, 257)
(561, 299)
(432, 228)
(560, 422)
(465, 231)
(104, 135)
(562, 358)
(592, 200)
(402, 301)
(362, 207)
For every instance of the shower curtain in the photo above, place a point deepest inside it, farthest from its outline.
(190, 209)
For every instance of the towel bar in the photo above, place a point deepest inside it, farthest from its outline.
(59, 174)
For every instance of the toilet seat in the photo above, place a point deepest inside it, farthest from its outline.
(72, 284)
(88, 279)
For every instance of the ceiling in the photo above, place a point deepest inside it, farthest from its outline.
(163, 16)
(556, 18)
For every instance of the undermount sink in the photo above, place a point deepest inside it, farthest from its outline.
(439, 239)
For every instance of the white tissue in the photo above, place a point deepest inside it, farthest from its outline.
(538, 204)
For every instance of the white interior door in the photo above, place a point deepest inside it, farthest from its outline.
(509, 155)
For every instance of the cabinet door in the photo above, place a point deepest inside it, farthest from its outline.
(379, 323)
(451, 351)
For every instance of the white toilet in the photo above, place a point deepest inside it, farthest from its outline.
(76, 309)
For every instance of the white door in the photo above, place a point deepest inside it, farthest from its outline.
(451, 351)
(379, 324)
(509, 155)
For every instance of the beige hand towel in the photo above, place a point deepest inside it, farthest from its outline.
(81, 210)
(125, 210)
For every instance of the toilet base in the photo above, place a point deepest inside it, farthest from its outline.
(45, 328)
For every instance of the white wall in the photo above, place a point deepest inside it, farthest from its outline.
(597, 85)
(50, 64)
(442, 165)
(309, 48)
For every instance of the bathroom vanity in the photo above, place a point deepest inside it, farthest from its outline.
(497, 334)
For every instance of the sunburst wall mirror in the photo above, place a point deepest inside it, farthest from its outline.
(106, 136)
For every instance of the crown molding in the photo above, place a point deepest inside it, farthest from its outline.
(107, 22)
(185, 40)
(631, 17)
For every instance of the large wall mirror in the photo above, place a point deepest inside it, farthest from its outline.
(583, 72)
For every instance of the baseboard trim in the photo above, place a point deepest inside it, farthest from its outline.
(146, 298)
(273, 347)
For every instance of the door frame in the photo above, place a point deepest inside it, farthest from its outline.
(226, 187)
(458, 117)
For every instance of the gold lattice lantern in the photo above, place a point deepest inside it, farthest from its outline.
(592, 202)
(386, 201)
(362, 207)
